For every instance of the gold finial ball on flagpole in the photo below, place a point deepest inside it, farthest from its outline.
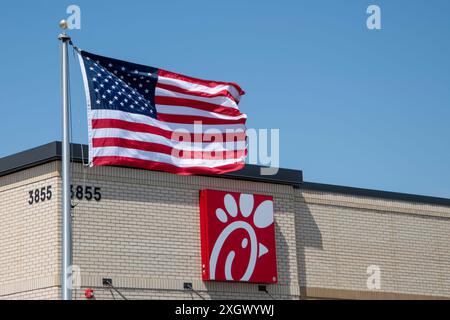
(63, 24)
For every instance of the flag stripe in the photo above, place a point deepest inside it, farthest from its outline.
(169, 126)
(144, 128)
(195, 112)
(176, 141)
(218, 101)
(154, 165)
(169, 101)
(200, 93)
(221, 90)
(155, 147)
(199, 84)
(188, 119)
(161, 157)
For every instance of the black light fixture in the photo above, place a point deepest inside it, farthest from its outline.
(107, 282)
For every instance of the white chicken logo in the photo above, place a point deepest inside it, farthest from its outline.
(262, 218)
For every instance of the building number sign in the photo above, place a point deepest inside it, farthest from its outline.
(79, 192)
(40, 195)
(86, 192)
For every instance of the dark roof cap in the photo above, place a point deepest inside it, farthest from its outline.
(52, 151)
(79, 153)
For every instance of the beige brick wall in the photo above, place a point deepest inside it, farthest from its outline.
(29, 250)
(144, 234)
(343, 235)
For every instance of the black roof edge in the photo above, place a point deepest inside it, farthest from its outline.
(389, 195)
(30, 158)
(79, 153)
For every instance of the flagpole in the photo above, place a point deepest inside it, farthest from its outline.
(66, 272)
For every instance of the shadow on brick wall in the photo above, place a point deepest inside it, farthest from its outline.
(283, 261)
(307, 234)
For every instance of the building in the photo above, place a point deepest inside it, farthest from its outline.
(141, 230)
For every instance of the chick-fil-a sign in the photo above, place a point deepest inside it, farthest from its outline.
(237, 237)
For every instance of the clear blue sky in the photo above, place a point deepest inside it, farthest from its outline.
(354, 107)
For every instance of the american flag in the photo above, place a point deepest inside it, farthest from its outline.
(140, 116)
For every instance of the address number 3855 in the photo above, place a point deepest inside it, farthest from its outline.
(79, 192)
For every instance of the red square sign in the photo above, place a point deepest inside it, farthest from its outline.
(238, 237)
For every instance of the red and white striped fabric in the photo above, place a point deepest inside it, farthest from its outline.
(149, 118)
